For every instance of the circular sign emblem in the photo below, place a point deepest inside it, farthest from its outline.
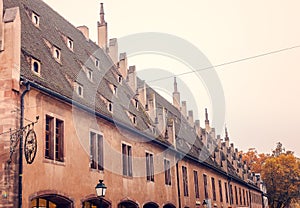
(30, 146)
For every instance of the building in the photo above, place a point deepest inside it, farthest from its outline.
(77, 113)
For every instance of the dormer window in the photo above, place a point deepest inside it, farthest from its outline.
(35, 19)
(114, 90)
(56, 53)
(136, 103)
(35, 66)
(70, 44)
(119, 78)
(89, 74)
(133, 119)
(110, 106)
(79, 89)
(97, 63)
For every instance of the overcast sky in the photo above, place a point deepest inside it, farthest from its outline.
(262, 95)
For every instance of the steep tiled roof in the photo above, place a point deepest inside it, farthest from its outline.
(60, 76)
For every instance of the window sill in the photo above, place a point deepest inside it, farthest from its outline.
(127, 177)
(96, 170)
(54, 162)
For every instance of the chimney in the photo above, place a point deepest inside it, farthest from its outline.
(151, 103)
(198, 128)
(226, 138)
(102, 30)
(219, 141)
(191, 118)
(113, 50)
(123, 65)
(207, 127)
(131, 78)
(171, 131)
(1, 27)
(142, 93)
(85, 31)
(161, 117)
(176, 96)
(183, 109)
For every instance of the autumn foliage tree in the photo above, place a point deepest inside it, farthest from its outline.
(281, 174)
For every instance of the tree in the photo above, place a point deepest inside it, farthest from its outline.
(281, 174)
(254, 160)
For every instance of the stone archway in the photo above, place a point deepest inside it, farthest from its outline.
(96, 203)
(150, 205)
(51, 200)
(169, 205)
(128, 204)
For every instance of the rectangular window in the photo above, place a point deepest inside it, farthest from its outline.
(205, 186)
(167, 172)
(196, 184)
(127, 160)
(236, 196)
(240, 194)
(226, 192)
(220, 191)
(96, 151)
(244, 197)
(54, 139)
(149, 167)
(185, 181)
(213, 186)
(231, 194)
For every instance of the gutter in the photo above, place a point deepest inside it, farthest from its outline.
(27, 84)
(139, 133)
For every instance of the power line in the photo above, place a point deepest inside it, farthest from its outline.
(228, 63)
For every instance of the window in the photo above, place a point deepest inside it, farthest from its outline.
(197, 195)
(220, 191)
(127, 160)
(185, 181)
(96, 151)
(240, 194)
(35, 19)
(213, 186)
(231, 194)
(56, 53)
(167, 172)
(236, 195)
(247, 198)
(89, 74)
(205, 186)
(244, 196)
(149, 167)
(226, 192)
(110, 106)
(119, 78)
(70, 44)
(97, 62)
(134, 119)
(114, 90)
(35, 66)
(79, 89)
(136, 103)
(54, 139)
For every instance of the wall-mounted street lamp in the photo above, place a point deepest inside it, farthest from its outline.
(100, 189)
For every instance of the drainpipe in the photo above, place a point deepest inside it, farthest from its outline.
(27, 84)
(178, 185)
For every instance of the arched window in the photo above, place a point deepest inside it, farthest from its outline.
(128, 204)
(150, 205)
(169, 205)
(96, 203)
(51, 201)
